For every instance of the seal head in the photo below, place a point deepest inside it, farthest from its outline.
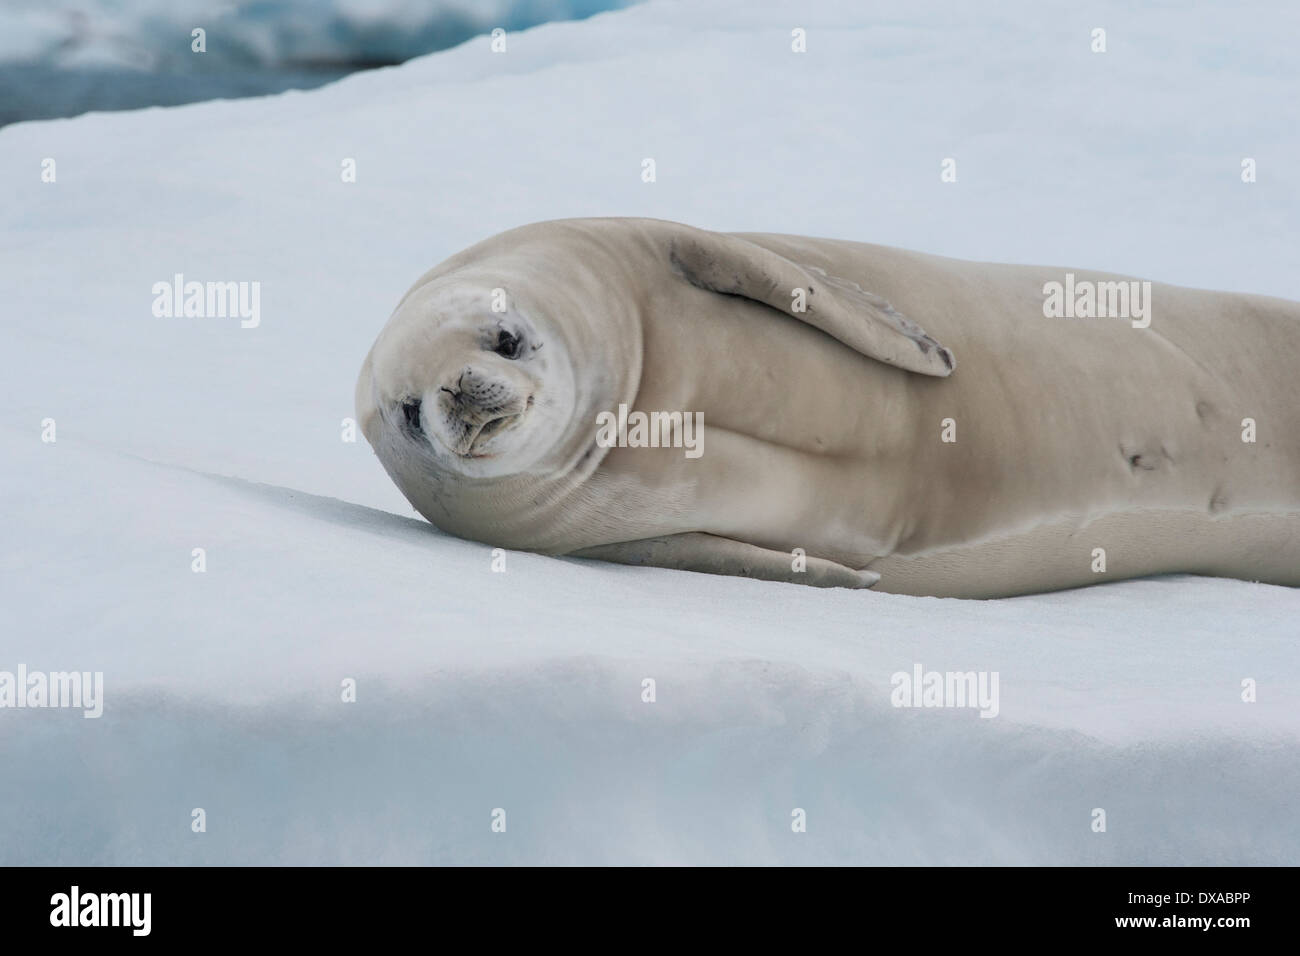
(480, 394)
(458, 388)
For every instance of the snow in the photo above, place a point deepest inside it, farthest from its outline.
(523, 690)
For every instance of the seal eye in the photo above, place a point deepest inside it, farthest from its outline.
(508, 345)
(411, 411)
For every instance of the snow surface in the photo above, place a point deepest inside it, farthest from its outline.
(479, 690)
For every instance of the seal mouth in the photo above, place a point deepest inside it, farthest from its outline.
(475, 438)
(470, 446)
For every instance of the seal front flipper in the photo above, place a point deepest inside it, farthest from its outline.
(712, 554)
(862, 320)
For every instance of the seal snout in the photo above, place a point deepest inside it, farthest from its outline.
(478, 406)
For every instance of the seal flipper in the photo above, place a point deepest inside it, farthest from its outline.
(862, 320)
(712, 554)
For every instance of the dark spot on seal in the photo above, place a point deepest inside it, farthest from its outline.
(1143, 459)
(1138, 461)
(1204, 410)
(1218, 501)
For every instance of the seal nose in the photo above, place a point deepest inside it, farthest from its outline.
(480, 398)
(481, 405)
(478, 388)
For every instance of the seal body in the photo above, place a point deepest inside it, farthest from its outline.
(867, 412)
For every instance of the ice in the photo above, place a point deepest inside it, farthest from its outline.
(523, 691)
